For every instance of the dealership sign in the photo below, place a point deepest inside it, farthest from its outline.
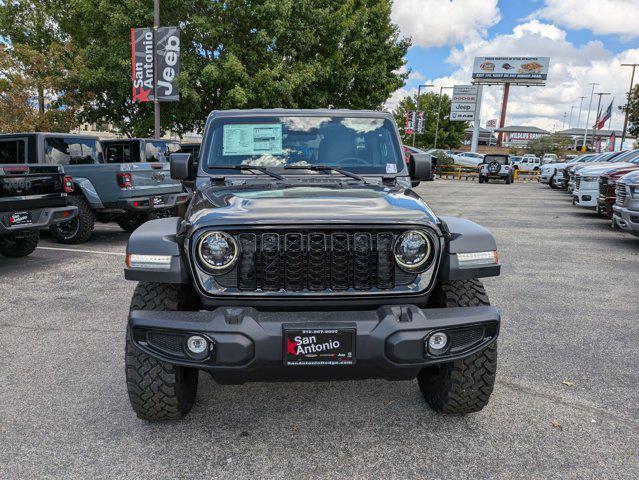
(166, 53)
(464, 103)
(530, 70)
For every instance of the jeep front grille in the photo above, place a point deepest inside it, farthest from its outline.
(316, 261)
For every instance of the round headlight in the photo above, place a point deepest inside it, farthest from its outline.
(412, 250)
(217, 251)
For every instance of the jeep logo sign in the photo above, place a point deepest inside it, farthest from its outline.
(166, 52)
(167, 59)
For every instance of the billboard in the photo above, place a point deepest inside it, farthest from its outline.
(166, 53)
(142, 65)
(463, 104)
(531, 70)
(168, 63)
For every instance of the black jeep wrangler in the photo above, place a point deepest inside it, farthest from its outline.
(306, 255)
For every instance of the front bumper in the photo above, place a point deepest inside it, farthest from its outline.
(248, 344)
(40, 218)
(585, 198)
(626, 219)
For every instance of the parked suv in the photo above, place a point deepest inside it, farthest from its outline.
(305, 254)
(607, 184)
(124, 191)
(496, 167)
(626, 207)
(32, 197)
(527, 163)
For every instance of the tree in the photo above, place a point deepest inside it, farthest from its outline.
(555, 143)
(239, 54)
(633, 112)
(450, 135)
(35, 61)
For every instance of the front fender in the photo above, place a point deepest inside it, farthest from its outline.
(157, 237)
(466, 237)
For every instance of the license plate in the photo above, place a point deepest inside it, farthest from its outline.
(18, 218)
(157, 201)
(318, 347)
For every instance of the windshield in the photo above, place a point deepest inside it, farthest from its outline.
(356, 144)
(501, 159)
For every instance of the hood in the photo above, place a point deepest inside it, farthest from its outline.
(630, 178)
(558, 166)
(297, 205)
(620, 172)
(599, 169)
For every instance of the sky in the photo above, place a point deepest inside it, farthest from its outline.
(586, 41)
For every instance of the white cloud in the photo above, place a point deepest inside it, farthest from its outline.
(571, 69)
(602, 17)
(434, 23)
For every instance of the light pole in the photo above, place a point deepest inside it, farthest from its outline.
(625, 119)
(439, 107)
(592, 92)
(572, 107)
(419, 93)
(563, 121)
(596, 127)
(581, 101)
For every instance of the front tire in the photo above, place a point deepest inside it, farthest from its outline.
(129, 223)
(19, 245)
(462, 386)
(78, 229)
(159, 390)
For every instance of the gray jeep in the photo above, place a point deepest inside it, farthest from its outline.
(306, 255)
(496, 167)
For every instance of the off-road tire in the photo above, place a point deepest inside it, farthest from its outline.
(509, 180)
(552, 183)
(462, 386)
(79, 229)
(481, 179)
(19, 245)
(159, 390)
(129, 223)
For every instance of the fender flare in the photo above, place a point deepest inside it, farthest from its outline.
(85, 186)
(158, 237)
(466, 237)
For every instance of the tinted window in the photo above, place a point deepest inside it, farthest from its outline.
(159, 151)
(357, 144)
(496, 158)
(12, 151)
(72, 151)
(118, 153)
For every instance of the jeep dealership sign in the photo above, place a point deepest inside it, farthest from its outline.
(166, 53)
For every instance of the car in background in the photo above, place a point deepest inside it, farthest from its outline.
(135, 150)
(191, 147)
(626, 207)
(586, 191)
(608, 186)
(527, 163)
(468, 159)
(549, 158)
(496, 167)
(553, 173)
(599, 158)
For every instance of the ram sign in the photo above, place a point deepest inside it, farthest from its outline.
(528, 70)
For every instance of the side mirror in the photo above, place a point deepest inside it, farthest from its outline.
(182, 166)
(421, 168)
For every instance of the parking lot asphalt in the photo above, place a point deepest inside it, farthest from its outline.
(566, 402)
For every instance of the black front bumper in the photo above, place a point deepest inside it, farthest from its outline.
(248, 344)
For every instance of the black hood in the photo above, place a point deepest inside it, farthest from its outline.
(309, 205)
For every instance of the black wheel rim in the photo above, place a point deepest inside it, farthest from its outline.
(69, 229)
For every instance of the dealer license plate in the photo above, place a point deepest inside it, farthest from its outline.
(18, 218)
(318, 347)
(157, 201)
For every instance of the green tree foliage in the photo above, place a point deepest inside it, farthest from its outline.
(36, 61)
(239, 54)
(450, 135)
(554, 143)
(633, 112)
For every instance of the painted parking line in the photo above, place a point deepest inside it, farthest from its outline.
(78, 250)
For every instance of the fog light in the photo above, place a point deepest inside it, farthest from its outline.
(197, 345)
(437, 342)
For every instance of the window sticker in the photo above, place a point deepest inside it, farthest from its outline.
(252, 139)
(391, 168)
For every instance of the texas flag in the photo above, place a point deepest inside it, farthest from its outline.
(604, 116)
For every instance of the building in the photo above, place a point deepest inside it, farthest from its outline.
(520, 135)
(603, 136)
(486, 136)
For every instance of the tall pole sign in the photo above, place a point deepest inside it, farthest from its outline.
(155, 65)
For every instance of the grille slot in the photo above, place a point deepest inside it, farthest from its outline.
(603, 186)
(464, 338)
(166, 342)
(621, 194)
(316, 261)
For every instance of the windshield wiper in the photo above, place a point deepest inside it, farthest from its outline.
(247, 167)
(326, 168)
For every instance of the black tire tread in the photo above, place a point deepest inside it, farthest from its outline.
(86, 219)
(158, 390)
(462, 386)
(15, 246)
